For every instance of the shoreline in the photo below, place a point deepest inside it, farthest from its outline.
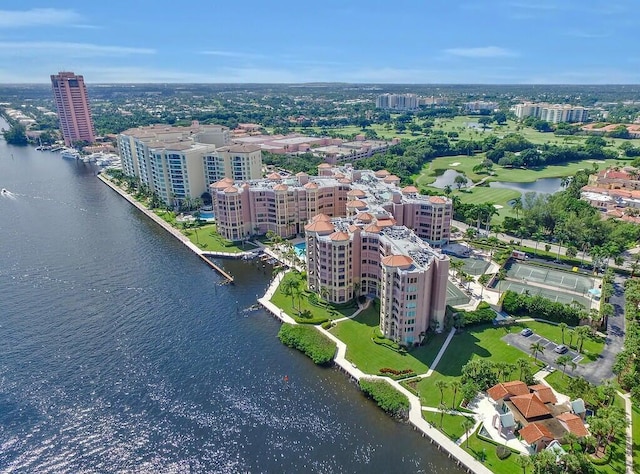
(175, 232)
(463, 459)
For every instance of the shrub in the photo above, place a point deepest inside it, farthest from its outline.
(309, 340)
(502, 452)
(326, 325)
(539, 307)
(396, 374)
(387, 397)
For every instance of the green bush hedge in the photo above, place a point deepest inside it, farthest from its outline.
(387, 397)
(539, 307)
(309, 340)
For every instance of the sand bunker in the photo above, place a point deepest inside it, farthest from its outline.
(455, 164)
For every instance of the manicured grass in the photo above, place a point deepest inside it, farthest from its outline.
(591, 348)
(616, 462)
(451, 424)
(558, 381)
(320, 312)
(207, 238)
(167, 216)
(430, 393)
(479, 448)
(635, 420)
(370, 357)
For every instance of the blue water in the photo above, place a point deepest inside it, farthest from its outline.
(207, 215)
(300, 249)
(120, 351)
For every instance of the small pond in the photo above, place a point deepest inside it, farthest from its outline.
(540, 186)
(447, 179)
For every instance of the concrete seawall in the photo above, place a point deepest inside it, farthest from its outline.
(175, 232)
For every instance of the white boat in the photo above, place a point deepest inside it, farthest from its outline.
(4, 191)
(70, 154)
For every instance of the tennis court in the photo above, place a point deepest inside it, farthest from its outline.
(553, 295)
(529, 273)
(455, 296)
(472, 265)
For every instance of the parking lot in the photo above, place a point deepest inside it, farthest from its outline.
(547, 355)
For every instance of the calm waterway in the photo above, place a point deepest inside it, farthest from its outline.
(121, 352)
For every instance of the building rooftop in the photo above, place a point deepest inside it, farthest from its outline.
(574, 424)
(530, 406)
(501, 390)
(534, 432)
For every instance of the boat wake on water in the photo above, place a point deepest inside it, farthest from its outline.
(6, 193)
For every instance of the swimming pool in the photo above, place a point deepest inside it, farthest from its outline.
(207, 215)
(300, 249)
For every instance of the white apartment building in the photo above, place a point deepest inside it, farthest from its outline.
(180, 162)
(553, 113)
(397, 101)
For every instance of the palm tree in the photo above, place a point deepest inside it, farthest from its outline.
(456, 265)
(289, 288)
(455, 386)
(483, 280)
(447, 190)
(517, 205)
(582, 332)
(441, 385)
(524, 462)
(522, 364)
(467, 425)
(571, 333)
(443, 408)
(562, 361)
(536, 348)
(562, 327)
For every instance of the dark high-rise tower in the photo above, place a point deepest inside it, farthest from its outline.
(70, 95)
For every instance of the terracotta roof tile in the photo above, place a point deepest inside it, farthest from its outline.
(364, 217)
(339, 236)
(357, 204)
(409, 190)
(381, 173)
(573, 423)
(311, 185)
(534, 432)
(274, 176)
(373, 229)
(397, 261)
(501, 390)
(356, 193)
(320, 226)
(544, 393)
(437, 200)
(530, 406)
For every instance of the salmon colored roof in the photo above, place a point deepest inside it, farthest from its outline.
(356, 193)
(387, 222)
(321, 217)
(373, 229)
(364, 217)
(280, 187)
(223, 183)
(409, 190)
(533, 432)
(397, 261)
(319, 226)
(339, 236)
(391, 178)
(344, 181)
(357, 204)
(544, 393)
(574, 424)
(381, 173)
(501, 390)
(338, 176)
(311, 185)
(324, 165)
(437, 200)
(530, 406)
(230, 190)
(301, 173)
(274, 176)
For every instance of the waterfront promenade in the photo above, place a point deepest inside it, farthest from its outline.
(463, 458)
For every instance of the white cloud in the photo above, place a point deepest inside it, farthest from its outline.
(481, 52)
(38, 17)
(39, 48)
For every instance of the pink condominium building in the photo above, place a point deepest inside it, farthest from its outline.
(72, 103)
(285, 205)
(348, 257)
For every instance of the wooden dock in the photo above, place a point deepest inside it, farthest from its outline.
(217, 268)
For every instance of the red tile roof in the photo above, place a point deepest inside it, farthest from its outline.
(544, 393)
(320, 226)
(397, 261)
(533, 432)
(339, 236)
(530, 406)
(501, 390)
(573, 423)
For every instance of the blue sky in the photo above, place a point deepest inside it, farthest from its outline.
(404, 41)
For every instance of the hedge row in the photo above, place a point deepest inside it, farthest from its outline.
(387, 397)
(539, 307)
(309, 340)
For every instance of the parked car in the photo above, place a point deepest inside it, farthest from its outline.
(526, 332)
(561, 349)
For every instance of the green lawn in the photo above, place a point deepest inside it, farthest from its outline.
(371, 357)
(635, 420)
(320, 312)
(207, 238)
(558, 381)
(479, 448)
(477, 342)
(451, 424)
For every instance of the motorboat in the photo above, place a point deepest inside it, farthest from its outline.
(70, 154)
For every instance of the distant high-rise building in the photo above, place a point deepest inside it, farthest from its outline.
(72, 102)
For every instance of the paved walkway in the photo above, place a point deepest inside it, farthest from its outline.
(440, 353)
